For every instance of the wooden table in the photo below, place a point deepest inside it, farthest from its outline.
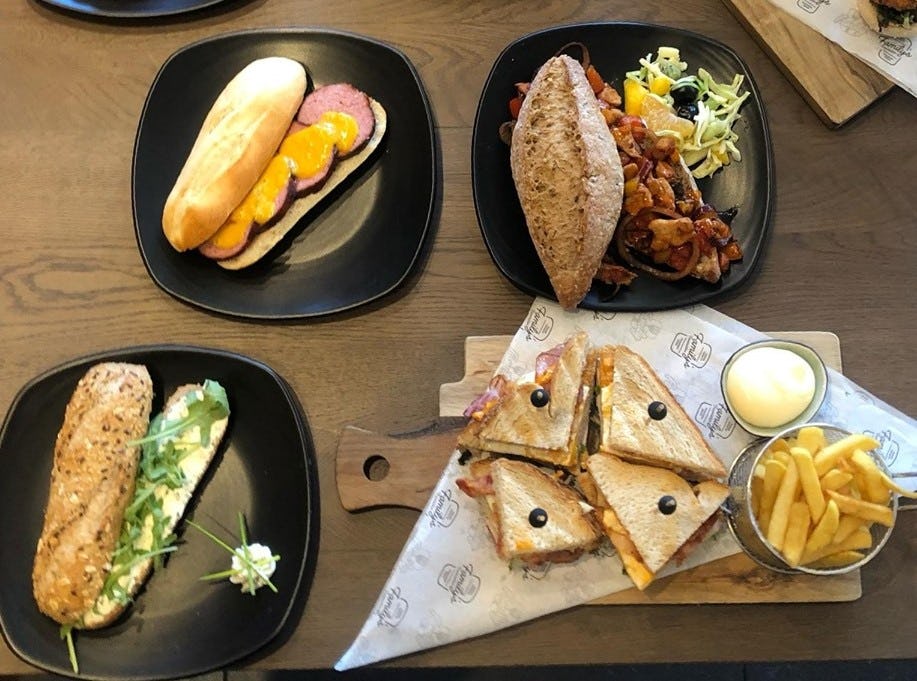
(843, 258)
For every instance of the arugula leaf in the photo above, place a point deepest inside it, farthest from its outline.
(162, 452)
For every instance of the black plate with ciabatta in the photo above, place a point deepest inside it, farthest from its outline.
(178, 626)
(615, 48)
(358, 244)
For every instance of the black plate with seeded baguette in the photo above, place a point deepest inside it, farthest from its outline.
(178, 626)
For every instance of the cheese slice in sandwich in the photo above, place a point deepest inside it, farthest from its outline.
(545, 419)
(651, 515)
(641, 421)
(531, 516)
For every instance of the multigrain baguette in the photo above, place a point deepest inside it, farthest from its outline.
(568, 176)
(237, 140)
(92, 481)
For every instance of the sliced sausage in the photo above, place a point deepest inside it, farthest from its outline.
(343, 98)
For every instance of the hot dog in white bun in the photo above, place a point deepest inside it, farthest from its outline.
(265, 156)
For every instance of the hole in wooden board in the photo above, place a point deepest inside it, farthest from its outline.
(375, 468)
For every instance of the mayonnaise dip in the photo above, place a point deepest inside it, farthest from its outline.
(768, 387)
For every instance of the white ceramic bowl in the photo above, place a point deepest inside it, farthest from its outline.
(809, 356)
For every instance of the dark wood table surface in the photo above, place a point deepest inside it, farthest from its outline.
(842, 258)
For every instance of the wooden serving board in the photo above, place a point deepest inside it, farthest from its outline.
(836, 84)
(376, 470)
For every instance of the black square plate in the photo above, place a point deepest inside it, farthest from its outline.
(614, 49)
(358, 244)
(178, 625)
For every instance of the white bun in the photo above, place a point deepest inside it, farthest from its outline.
(237, 140)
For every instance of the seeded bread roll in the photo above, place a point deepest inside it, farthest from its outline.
(238, 138)
(568, 176)
(92, 481)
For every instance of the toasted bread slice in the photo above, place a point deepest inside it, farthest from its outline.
(626, 387)
(554, 433)
(629, 496)
(531, 516)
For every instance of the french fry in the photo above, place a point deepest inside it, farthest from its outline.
(773, 473)
(897, 489)
(783, 456)
(811, 438)
(824, 531)
(836, 560)
(862, 509)
(835, 479)
(845, 526)
(860, 539)
(870, 477)
(757, 489)
(779, 445)
(808, 480)
(828, 457)
(780, 515)
(797, 530)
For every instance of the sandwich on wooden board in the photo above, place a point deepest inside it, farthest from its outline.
(641, 421)
(545, 419)
(651, 515)
(531, 516)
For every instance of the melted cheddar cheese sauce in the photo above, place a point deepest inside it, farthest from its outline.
(630, 557)
(302, 154)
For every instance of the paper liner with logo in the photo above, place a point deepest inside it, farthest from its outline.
(841, 23)
(448, 583)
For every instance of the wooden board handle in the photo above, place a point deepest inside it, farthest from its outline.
(383, 470)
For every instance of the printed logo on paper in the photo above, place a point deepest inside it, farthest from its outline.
(538, 324)
(716, 418)
(443, 510)
(888, 447)
(392, 609)
(460, 581)
(604, 316)
(852, 23)
(893, 49)
(643, 327)
(692, 349)
(811, 6)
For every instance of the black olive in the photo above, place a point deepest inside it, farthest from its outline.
(540, 397)
(667, 505)
(657, 410)
(538, 517)
(688, 111)
(685, 93)
(728, 215)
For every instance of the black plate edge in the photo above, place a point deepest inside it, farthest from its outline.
(434, 165)
(312, 533)
(770, 199)
(129, 13)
